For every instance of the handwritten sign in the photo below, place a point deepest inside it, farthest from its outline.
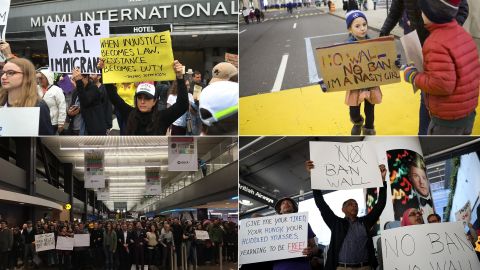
(81, 240)
(4, 10)
(429, 246)
(344, 166)
(65, 243)
(94, 171)
(75, 44)
(138, 58)
(464, 214)
(44, 242)
(182, 154)
(232, 59)
(201, 235)
(360, 64)
(16, 121)
(273, 238)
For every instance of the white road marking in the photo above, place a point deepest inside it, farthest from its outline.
(294, 25)
(242, 31)
(281, 72)
(312, 65)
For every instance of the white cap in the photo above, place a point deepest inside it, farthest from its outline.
(146, 89)
(220, 99)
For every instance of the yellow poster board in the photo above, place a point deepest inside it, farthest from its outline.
(477, 245)
(358, 65)
(138, 58)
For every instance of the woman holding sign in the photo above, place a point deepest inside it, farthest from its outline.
(145, 118)
(19, 89)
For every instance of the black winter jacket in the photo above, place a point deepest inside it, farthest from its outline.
(92, 108)
(414, 14)
(339, 227)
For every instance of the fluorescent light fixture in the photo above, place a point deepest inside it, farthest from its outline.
(133, 177)
(100, 147)
(135, 184)
(234, 198)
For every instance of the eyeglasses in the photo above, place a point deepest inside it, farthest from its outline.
(9, 73)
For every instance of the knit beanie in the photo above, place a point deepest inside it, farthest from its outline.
(439, 11)
(352, 15)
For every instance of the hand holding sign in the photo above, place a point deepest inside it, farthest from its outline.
(5, 49)
(179, 69)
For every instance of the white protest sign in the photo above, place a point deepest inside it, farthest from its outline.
(182, 154)
(429, 246)
(65, 243)
(75, 44)
(44, 242)
(413, 49)
(81, 240)
(19, 121)
(94, 171)
(4, 10)
(273, 238)
(201, 235)
(464, 214)
(344, 166)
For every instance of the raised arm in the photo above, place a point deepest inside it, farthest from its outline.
(181, 106)
(372, 217)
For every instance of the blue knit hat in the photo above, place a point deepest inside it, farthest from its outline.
(352, 15)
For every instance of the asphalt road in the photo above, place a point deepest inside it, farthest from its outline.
(285, 44)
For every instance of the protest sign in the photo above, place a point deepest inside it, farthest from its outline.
(273, 238)
(94, 171)
(182, 154)
(138, 58)
(413, 49)
(75, 44)
(232, 59)
(360, 64)
(153, 185)
(44, 242)
(65, 243)
(81, 240)
(344, 166)
(4, 10)
(464, 214)
(428, 246)
(201, 235)
(19, 121)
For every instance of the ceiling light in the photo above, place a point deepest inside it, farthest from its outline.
(246, 202)
(101, 147)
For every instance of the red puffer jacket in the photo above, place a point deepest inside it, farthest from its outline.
(451, 74)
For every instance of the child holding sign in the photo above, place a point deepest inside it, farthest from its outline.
(450, 79)
(357, 26)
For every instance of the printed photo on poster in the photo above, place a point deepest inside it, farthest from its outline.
(409, 183)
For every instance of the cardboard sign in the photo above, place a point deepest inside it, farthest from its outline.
(4, 10)
(273, 238)
(75, 44)
(232, 59)
(428, 246)
(94, 176)
(138, 58)
(44, 242)
(65, 243)
(344, 166)
(81, 240)
(182, 154)
(19, 121)
(464, 214)
(201, 235)
(153, 185)
(359, 65)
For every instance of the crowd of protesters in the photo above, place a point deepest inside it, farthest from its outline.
(119, 244)
(80, 104)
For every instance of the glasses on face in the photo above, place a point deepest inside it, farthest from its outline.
(9, 73)
(414, 213)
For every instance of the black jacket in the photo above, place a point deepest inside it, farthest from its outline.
(414, 14)
(155, 122)
(92, 108)
(339, 227)
(28, 238)
(45, 124)
(94, 236)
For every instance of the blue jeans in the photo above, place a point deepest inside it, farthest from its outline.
(424, 116)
